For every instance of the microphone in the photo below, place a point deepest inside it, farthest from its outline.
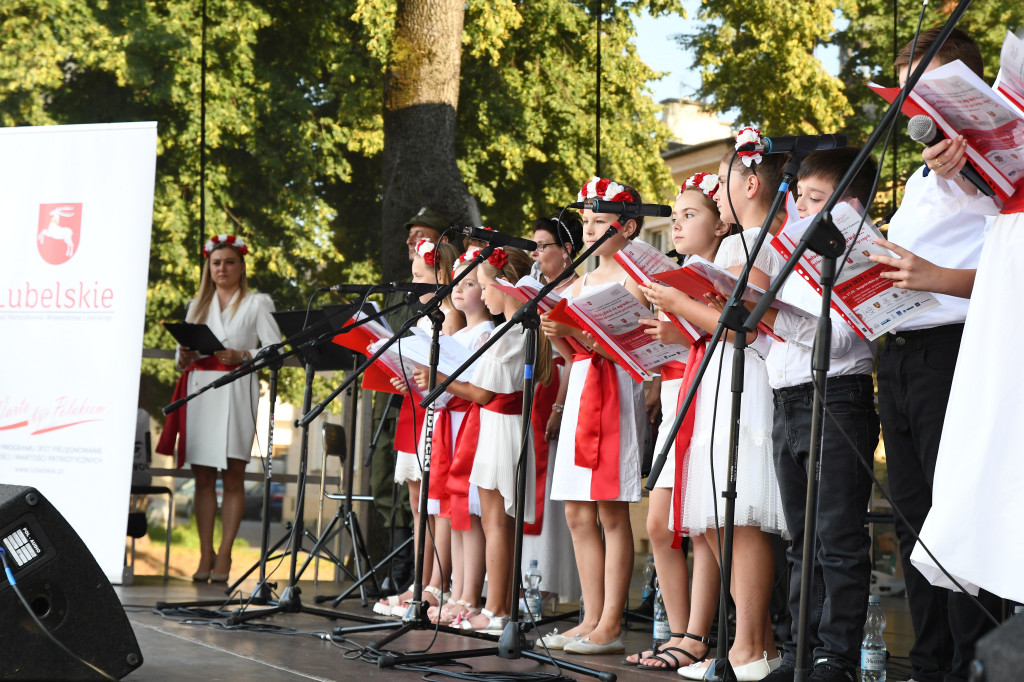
(627, 209)
(795, 144)
(418, 288)
(923, 129)
(495, 238)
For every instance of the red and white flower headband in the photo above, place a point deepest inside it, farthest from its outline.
(705, 182)
(746, 136)
(464, 258)
(426, 250)
(498, 258)
(604, 189)
(231, 240)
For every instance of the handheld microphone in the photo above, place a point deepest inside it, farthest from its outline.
(495, 238)
(922, 129)
(418, 288)
(627, 209)
(795, 144)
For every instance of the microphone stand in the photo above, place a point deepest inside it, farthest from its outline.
(512, 642)
(272, 358)
(290, 600)
(823, 238)
(416, 615)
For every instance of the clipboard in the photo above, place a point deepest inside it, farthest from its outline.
(197, 337)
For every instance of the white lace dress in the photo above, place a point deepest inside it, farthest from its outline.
(758, 501)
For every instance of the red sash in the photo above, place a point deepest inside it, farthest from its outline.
(544, 398)
(465, 453)
(683, 437)
(172, 440)
(597, 427)
(410, 422)
(442, 451)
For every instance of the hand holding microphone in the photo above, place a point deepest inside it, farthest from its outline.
(922, 129)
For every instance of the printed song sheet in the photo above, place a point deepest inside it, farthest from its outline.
(870, 304)
(612, 315)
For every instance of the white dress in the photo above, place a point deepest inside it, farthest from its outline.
(572, 482)
(501, 370)
(974, 526)
(472, 338)
(758, 501)
(222, 421)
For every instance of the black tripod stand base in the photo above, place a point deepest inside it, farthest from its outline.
(389, 660)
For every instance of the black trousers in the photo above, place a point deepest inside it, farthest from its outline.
(841, 575)
(915, 375)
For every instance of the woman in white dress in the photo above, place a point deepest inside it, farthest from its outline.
(222, 422)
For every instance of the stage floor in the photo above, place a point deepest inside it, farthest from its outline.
(297, 645)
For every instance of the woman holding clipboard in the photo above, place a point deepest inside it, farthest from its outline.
(221, 423)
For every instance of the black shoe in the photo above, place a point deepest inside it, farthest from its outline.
(784, 673)
(826, 672)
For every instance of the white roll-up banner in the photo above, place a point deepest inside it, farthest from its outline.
(76, 210)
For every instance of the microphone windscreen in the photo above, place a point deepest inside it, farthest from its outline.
(922, 129)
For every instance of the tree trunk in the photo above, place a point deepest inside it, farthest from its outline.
(421, 94)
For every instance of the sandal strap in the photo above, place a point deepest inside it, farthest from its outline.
(686, 653)
(702, 640)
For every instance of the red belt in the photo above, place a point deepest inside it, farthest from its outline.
(174, 425)
(597, 427)
(465, 453)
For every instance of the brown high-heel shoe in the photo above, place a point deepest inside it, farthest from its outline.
(203, 576)
(220, 577)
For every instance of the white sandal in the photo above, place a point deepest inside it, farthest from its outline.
(495, 624)
(388, 608)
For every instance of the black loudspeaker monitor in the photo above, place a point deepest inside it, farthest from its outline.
(999, 656)
(68, 593)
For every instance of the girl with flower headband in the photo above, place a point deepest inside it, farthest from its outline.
(488, 447)
(467, 535)
(597, 467)
(220, 423)
(749, 182)
(559, 239)
(432, 264)
(696, 230)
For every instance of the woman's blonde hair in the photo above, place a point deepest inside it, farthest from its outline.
(518, 265)
(198, 311)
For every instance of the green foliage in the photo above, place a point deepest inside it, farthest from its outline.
(294, 123)
(764, 68)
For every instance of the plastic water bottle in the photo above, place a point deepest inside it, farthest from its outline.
(531, 580)
(648, 584)
(662, 631)
(872, 649)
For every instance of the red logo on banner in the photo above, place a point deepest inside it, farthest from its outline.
(60, 227)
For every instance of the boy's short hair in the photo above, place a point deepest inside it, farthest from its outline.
(831, 165)
(958, 45)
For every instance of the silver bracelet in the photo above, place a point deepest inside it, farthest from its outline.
(557, 408)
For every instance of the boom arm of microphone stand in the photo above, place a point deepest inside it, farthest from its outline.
(428, 307)
(263, 359)
(518, 316)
